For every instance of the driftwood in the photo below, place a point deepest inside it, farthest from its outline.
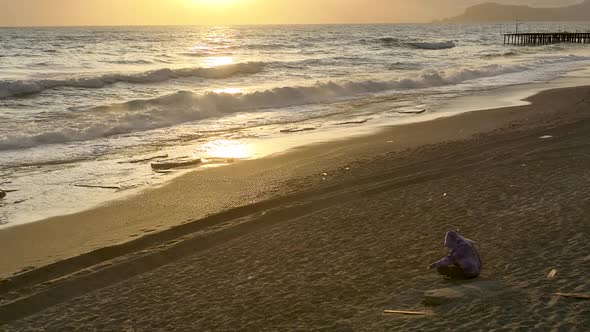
(552, 274)
(574, 295)
(290, 131)
(170, 164)
(412, 112)
(137, 161)
(403, 312)
(97, 186)
(352, 122)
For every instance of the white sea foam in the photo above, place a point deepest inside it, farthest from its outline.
(184, 106)
(26, 87)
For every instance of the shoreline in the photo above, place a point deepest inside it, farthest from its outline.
(87, 230)
(28, 206)
(262, 195)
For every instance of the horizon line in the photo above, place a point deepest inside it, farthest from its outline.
(206, 25)
(436, 22)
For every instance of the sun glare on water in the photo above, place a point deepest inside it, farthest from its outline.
(227, 149)
(229, 91)
(217, 61)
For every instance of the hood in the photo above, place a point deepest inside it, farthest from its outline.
(452, 239)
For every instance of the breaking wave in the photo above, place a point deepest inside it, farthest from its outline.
(27, 87)
(500, 54)
(182, 107)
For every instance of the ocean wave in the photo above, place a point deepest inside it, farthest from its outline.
(201, 54)
(41, 64)
(27, 87)
(433, 45)
(272, 46)
(404, 66)
(394, 42)
(182, 107)
(388, 41)
(561, 59)
(129, 62)
(500, 54)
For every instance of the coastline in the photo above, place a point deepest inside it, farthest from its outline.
(65, 192)
(215, 190)
(282, 193)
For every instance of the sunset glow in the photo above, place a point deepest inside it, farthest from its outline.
(277, 165)
(231, 12)
(214, 2)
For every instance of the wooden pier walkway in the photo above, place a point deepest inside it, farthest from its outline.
(545, 38)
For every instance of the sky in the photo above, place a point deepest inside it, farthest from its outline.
(226, 12)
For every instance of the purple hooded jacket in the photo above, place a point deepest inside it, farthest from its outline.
(463, 254)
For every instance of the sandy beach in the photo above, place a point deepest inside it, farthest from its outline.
(328, 236)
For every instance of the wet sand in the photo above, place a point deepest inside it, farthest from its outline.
(326, 237)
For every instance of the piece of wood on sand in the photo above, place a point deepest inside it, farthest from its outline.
(81, 185)
(574, 295)
(176, 163)
(352, 122)
(407, 313)
(412, 112)
(296, 130)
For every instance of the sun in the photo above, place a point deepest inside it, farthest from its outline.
(214, 2)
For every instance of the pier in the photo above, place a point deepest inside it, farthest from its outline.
(534, 39)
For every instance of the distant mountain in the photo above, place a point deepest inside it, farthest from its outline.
(493, 12)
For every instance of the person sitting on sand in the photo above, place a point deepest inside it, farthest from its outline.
(463, 262)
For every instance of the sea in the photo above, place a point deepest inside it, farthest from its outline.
(86, 111)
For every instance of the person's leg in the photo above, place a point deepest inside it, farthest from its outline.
(453, 272)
